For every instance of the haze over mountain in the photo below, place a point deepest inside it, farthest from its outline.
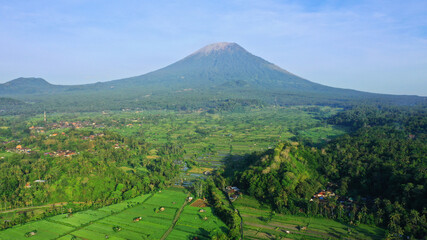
(223, 70)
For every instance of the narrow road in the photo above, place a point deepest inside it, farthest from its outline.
(166, 234)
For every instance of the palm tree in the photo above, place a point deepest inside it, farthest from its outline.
(340, 210)
(379, 217)
(394, 224)
(395, 218)
(332, 205)
(364, 211)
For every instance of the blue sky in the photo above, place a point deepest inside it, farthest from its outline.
(375, 46)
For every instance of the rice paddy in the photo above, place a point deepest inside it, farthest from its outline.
(156, 213)
(296, 227)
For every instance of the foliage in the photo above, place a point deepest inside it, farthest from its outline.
(282, 177)
(377, 172)
(224, 211)
(384, 162)
(93, 174)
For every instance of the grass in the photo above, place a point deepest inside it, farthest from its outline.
(96, 224)
(253, 212)
(45, 230)
(193, 222)
(6, 154)
(177, 234)
(80, 218)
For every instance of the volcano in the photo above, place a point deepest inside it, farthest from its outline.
(223, 65)
(222, 70)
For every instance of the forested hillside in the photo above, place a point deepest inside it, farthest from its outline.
(282, 177)
(375, 175)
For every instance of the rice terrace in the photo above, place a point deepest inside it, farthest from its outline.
(157, 212)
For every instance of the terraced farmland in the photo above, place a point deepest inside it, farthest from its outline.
(157, 213)
(209, 138)
(200, 222)
(255, 225)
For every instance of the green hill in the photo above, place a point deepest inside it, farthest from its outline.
(281, 177)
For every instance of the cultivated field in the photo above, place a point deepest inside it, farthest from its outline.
(209, 138)
(157, 213)
(255, 225)
(194, 222)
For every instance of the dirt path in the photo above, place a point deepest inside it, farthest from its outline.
(41, 206)
(166, 234)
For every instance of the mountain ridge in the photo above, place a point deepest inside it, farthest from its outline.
(221, 69)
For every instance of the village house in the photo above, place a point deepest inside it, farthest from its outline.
(322, 195)
(233, 192)
(77, 124)
(61, 153)
(36, 129)
(20, 149)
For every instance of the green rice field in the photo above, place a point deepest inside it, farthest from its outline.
(193, 223)
(99, 223)
(287, 226)
(209, 138)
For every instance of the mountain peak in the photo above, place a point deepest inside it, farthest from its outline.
(27, 86)
(219, 47)
(27, 81)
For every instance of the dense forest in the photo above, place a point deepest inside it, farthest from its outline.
(374, 175)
